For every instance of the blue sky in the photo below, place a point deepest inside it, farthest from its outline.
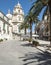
(9, 4)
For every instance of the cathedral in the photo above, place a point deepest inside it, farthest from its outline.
(16, 18)
(14, 21)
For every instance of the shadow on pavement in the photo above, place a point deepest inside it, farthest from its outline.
(43, 45)
(41, 58)
(27, 45)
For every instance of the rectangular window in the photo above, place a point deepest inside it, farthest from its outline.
(4, 27)
(0, 29)
(19, 11)
(8, 29)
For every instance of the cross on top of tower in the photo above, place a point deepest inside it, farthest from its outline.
(9, 11)
(18, 4)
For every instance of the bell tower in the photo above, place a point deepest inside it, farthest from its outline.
(18, 17)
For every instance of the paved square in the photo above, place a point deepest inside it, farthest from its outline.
(15, 52)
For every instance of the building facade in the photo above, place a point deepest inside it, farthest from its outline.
(16, 18)
(10, 22)
(43, 30)
(5, 27)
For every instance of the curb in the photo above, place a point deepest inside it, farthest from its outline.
(47, 51)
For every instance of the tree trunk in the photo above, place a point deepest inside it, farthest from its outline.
(49, 3)
(35, 30)
(25, 31)
(30, 30)
(50, 27)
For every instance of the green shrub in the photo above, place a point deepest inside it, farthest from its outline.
(29, 40)
(35, 43)
(25, 39)
(5, 38)
(1, 40)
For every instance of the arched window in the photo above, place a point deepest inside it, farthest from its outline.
(19, 18)
(0, 29)
(4, 27)
(18, 11)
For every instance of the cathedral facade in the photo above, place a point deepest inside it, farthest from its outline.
(14, 21)
(16, 18)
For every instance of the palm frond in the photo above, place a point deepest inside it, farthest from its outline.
(45, 12)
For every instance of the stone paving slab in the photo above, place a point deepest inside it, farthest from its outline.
(14, 52)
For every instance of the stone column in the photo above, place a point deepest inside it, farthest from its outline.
(2, 31)
(1, 27)
(6, 28)
(10, 32)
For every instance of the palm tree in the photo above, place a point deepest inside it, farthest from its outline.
(24, 26)
(30, 20)
(39, 5)
(49, 4)
(36, 22)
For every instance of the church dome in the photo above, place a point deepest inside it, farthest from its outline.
(9, 15)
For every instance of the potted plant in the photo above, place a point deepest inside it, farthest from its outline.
(35, 43)
(1, 40)
(30, 40)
